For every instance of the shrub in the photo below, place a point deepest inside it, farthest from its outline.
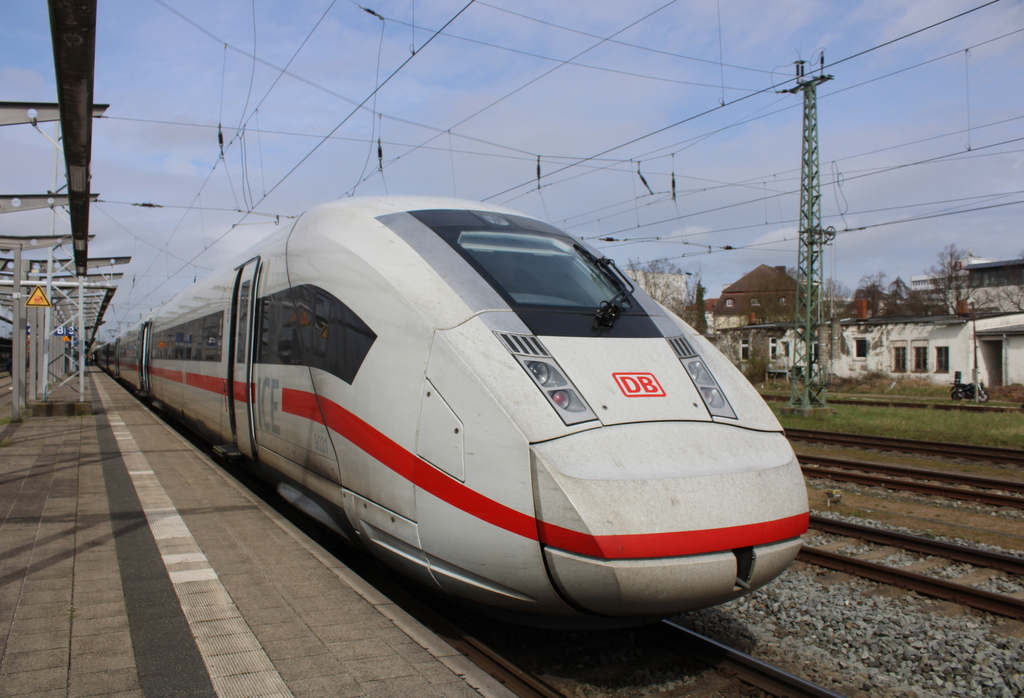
(756, 368)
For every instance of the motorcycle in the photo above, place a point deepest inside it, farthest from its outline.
(965, 391)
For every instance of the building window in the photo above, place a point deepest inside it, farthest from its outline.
(773, 347)
(785, 349)
(744, 350)
(782, 300)
(920, 359)
(942, 359)
(728, 303)
(862, 348)
(899, 358)
(754, 302)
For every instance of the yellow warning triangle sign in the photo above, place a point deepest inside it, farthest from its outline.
(38, 299)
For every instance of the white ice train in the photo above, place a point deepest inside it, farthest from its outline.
(487, 404)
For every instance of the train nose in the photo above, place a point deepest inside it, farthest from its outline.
(660, 518)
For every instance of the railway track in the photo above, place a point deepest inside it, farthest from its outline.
(919, 544)
(916, 480)
(682, 641)
(982, 453)
(743, 667)
(991, 602)
(433, 613)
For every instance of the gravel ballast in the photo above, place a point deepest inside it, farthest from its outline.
(860, 638)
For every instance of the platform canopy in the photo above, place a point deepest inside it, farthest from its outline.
(97, 287)
(73, 30)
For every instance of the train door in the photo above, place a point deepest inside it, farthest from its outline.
(144, 333)
(240, 360)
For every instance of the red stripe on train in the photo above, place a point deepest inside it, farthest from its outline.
(428, 478)
(453, 492)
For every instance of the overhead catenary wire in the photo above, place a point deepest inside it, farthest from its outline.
(772, 88)
(748, 202)
(316, 147)
(382, 163)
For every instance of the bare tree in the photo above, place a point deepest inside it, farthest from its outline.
(872, 288)
(1007, 298)
(835, 297)
(949, 278)
(681, 292)
(694, 312)
(663, 281)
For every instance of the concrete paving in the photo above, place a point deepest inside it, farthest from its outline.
(130, 564)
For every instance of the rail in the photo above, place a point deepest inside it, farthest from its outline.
(920, 544)
(991, 602)
(917, 473)
(861, 478)
(745, 668)
(987, 453)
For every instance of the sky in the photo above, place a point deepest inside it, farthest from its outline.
(921, 129)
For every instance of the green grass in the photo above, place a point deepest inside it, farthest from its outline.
(1005, 430)
(905, 389)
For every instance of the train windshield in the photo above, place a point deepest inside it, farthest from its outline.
(540, 270)
(553, 283)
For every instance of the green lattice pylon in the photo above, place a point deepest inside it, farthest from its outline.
(807, 378)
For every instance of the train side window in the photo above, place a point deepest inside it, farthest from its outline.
(321, 325)
(195, 339)
(307, 326)
(266, 327)
(213, 332)
(243, 316)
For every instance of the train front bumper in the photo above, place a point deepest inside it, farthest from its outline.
(659, 518)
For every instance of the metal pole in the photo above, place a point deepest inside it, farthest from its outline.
(17, 341)
(33, 347)
(974, 328)
(81, 340)
(47, 328)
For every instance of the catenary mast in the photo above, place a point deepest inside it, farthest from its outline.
(807, 379)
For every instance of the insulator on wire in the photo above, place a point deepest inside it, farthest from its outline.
(380, 155)
(220, 139)
(673, 186)
(648, 186)
(538, 171)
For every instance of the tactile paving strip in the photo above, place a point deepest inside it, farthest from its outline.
(234, 658)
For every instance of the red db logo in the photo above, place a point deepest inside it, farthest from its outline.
(639, 384)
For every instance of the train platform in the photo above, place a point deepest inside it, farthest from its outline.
(131, 564)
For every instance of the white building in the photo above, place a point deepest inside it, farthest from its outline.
(926, 282)
(933, 347)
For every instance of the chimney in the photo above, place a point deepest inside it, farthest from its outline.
(752, 319)
(963, 309)
(862, 308)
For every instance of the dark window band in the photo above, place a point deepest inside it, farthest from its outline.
(307, 326)
(196, 340)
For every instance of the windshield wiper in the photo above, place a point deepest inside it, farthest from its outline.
(609, 310)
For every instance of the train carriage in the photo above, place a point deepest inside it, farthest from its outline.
(487, 404)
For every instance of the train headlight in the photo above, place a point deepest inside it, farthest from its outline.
(567, 400)
(699, 374)
(546, 374)
(713, 398)
(712, 395)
